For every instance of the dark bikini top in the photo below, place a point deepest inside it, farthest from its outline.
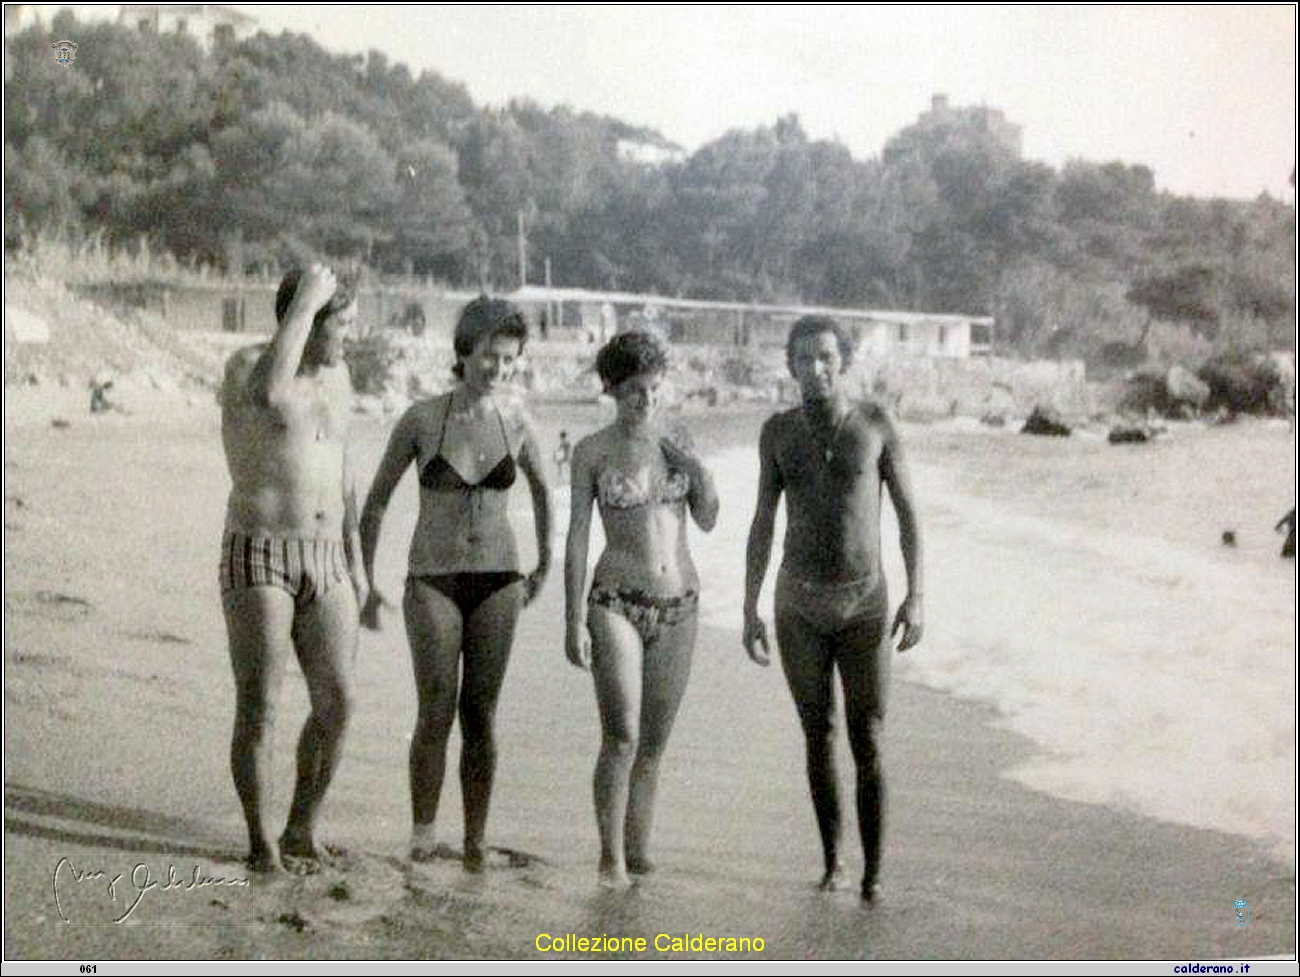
(438, 475)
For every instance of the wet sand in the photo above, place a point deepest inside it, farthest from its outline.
(117, 709)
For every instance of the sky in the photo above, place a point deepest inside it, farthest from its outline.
(1204, 95)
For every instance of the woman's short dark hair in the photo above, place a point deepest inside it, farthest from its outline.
(486, 318)
(630, 354)
(812, 325)
(345, 293)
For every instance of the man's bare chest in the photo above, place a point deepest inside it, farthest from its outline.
(842, 461)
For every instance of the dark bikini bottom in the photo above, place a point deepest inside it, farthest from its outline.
(468, 590)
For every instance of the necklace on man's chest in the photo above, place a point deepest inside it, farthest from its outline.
(826, 447)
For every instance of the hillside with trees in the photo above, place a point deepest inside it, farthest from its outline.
(271, 150)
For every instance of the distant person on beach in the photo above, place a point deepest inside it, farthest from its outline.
(636, 627)
(290, 555)
(563, 455)
(464, 589)
(100, 385)
(830, 456)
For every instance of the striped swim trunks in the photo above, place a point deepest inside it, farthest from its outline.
(302, 568)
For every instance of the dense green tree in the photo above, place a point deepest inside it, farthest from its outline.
(432, 220)
(495, 169)
(1188, 293)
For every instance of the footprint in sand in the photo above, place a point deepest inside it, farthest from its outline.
(321, 901)
(441, 852)
(50, 604)
(35, 659)
(295, 921)
(509, 865)
(328, 859)
(512, 858)
(497, 858)
(161, 637)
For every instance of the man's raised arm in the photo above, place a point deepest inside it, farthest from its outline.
(315, 289)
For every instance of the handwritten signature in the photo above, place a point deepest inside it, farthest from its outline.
(139, 881)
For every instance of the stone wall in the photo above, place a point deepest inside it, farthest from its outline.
(920, 388)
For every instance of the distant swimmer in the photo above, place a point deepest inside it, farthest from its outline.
(1287, 522)
(100, 385)
(290, 569)
(464, 589)
(829, 457)
(635, 628)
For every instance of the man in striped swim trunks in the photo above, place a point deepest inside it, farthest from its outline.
(290, 571)
(830, 457)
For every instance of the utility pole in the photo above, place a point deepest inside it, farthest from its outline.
(550, 306)
(523, 252)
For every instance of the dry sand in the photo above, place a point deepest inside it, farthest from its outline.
(118, 702)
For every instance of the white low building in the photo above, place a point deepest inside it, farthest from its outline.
(597, 315)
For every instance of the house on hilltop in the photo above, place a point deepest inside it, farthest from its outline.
(992, 121)
(211, 24)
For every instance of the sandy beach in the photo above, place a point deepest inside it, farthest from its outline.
(1090, 756)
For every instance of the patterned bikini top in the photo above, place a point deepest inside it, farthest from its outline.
(617, 491)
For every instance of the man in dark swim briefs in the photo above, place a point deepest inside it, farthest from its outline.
(830, 457)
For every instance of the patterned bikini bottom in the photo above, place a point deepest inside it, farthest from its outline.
(650, 614)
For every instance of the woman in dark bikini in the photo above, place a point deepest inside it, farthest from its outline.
(636, 628)
(464, 590)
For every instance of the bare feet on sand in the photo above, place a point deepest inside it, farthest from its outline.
(264, 859)
(300, 854)
(422, 854)
(612, 876)
(639, 865)
(475, 860)
(833, 880)
(423, 847)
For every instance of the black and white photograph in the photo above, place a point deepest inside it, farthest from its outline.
(734, 484)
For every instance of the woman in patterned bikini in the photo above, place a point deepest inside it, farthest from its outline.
(464, 590)
(636, 628)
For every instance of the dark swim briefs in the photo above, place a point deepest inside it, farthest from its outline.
(821, 625)
(830, 607)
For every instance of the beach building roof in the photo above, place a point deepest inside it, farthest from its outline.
(540, 293)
